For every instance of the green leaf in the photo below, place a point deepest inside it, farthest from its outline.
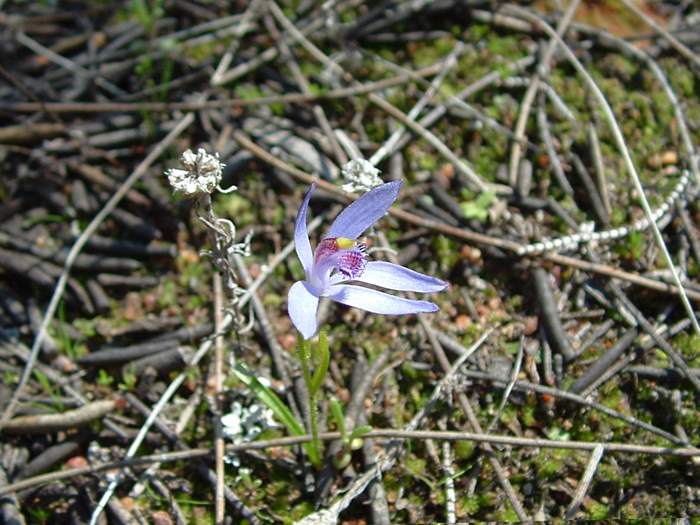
(271, 400)
(43, 380)
(360, 431)
(557, 434)
(354, 440)
(274, 403)
(337, 413)
(478, 208)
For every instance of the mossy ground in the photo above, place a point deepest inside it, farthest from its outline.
(272, 485)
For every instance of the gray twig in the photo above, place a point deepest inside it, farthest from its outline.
(585, 482)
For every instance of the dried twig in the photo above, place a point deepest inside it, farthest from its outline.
(604, 362)
(77, 247)
(585, 482)
(509, 388)
(550, 316)
(219, 501)
(658, 339)
(555, 392)
(388, 146)
(9, 506)
(46, 423)
(450, 497)
(677, 44)
(291, 98)
(533, 88)
(390, 434)
(622, 146)
(463, 234)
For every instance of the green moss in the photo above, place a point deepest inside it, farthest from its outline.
(618, 217)
(597, 511)
(507, 515)
(428, 162)
(433, 51)
(478, 32)
(682, 79)
(298, 511)
(508, 47)
(167, 295)
(479, 207)
(551, 464)
(471, 334)
(618, 65)
(632, 247)
(688, 344)
(478, 504)
(464, 449)
(486, 157)
(235, 207)
(376, 132)
(193, 274)
(608, 473)
(447, 252)
(416, 466)
(204, 51)
(196, 301)
(528, 417)
(88, 327)
(10, 378)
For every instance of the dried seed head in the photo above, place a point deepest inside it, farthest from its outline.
(202, 173)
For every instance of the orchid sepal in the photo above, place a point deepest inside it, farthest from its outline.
(338, 266)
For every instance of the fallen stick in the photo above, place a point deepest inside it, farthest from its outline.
(46, 423)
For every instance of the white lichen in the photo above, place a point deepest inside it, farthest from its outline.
(202, 173)
(245, 423)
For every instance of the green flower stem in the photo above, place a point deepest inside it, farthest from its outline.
(305, 358)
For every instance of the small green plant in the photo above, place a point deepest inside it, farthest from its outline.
(352, 440)
(49, 389)
(281, 411)
(49, 218)
(557, 434)
(43, 382)
(86, 326)
(312, 356)
(129, 380)
(39, 515)
(147, 13)
(104, 379)
(63, 338)
(9, 378)
(478, 208)
(633, 248)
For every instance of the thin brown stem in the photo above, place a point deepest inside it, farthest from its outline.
(219, 499)
(619, 448)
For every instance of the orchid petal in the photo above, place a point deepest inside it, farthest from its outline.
(302, 306)
(378, 302)
(395, 277)
(301, 235)
(365, 211)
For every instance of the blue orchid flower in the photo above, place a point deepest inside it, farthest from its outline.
(340, 259)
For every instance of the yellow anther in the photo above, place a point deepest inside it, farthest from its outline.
(344, 243)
